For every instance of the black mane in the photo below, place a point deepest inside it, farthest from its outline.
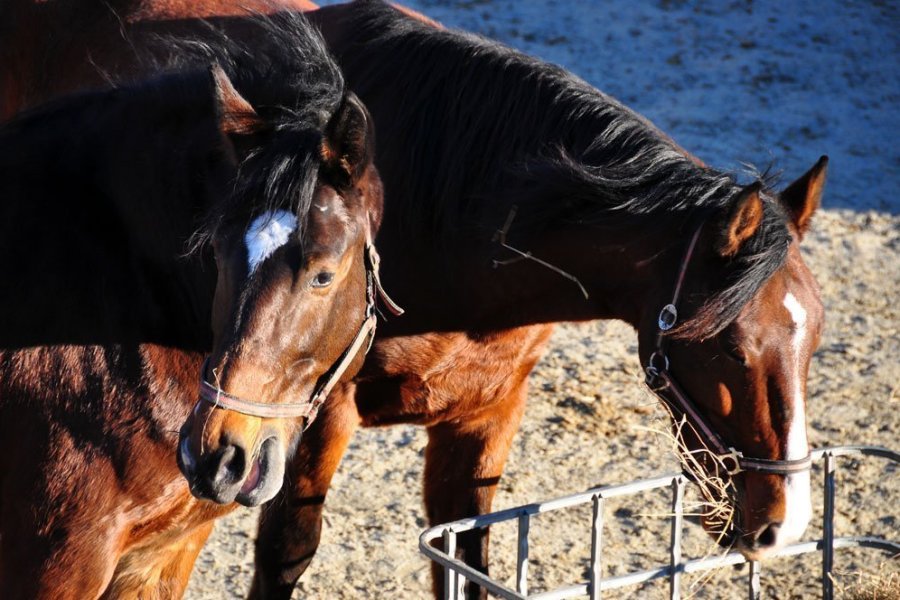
(484, 127)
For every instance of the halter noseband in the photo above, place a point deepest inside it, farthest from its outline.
(365, 335)
(663, 384)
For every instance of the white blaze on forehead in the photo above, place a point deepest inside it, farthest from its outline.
(798, 314)
(798, 505)
(797, 445)
(267, 233)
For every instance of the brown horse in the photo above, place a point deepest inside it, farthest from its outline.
(488, 158)
(104, 330)
(487, 154)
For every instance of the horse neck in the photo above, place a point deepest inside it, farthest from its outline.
(575, 274)
(44, 52)
(98, 221)
(582, 273)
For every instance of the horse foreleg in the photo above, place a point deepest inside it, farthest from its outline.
(158, 573)
(173, 578)
(291, 524)
(463, 464)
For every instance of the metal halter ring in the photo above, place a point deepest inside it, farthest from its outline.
(668, 316)
(652, 369)
(735, 456)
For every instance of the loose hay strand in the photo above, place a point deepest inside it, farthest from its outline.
(715, 490)
(718, 505)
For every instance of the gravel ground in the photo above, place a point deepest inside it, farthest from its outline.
(732, 82)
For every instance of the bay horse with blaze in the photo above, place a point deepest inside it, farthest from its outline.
(146, 227)
(482, 149)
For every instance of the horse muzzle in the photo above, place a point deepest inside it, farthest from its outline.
(232, 472)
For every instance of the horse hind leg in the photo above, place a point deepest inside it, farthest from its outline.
(290, 525)
(463, 465)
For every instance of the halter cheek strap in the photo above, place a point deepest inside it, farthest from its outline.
(364, 336)
(663, 384)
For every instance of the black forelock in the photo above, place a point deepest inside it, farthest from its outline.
(281, 66)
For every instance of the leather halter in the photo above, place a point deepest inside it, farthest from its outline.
(663, 384)
(309, 409)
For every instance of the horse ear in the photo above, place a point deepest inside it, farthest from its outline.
(236, 116)
(349, 140)
(742, 221)
(804, 196)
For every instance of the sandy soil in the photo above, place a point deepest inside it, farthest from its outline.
(731, 81)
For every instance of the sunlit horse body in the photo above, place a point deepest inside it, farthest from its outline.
(143, 228)
(476, 139)
(483, 149)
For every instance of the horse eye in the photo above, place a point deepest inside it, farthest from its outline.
(731, 350)
(323, 279)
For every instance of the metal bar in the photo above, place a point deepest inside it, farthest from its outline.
(596, 546)
(827, 545)
(699, 565)
(753, 581)
(675, 540)
(493, 587)
(707, 564)
(460, 586)
(614, 491)
(450, 587)
(828, 528)
(692, 566)
(522, 555)
(857, 450)
(626, 490)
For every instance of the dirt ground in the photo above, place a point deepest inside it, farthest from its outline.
(731, 81)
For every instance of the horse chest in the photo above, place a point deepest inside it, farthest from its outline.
(435, 377)
(167, 519)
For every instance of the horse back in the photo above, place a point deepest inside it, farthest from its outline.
(52, 48)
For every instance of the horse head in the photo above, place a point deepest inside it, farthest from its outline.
(733, 371)
(293, 312)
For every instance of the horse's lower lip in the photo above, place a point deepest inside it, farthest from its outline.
(253, 478)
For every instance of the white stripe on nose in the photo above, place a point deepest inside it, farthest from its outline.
(267, 233)
(798, 505)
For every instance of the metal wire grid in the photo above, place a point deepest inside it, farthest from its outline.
(456, 572)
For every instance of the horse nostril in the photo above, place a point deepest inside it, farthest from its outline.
(232, 465)
(768, 535)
